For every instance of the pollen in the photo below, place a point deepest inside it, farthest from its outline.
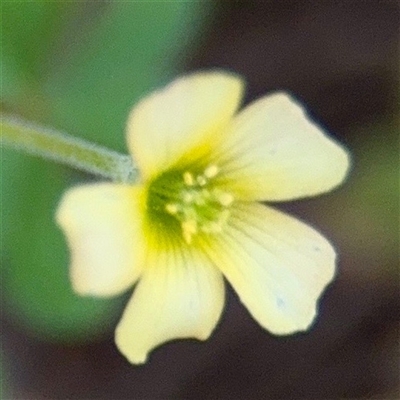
(194, 200)
(188, 197)
(171, 208)
(226, 199)
(201, 180)
(188, 178)
(211, 171)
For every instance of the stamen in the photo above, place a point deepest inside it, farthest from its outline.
(188, 197)
(197, 205)
(172, 208)
(188, 178)
(225, 199)
(211, 171)
(201, 180)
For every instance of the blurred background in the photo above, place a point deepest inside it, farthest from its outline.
(79, 67)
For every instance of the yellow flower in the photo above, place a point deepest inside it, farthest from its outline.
(194, 217)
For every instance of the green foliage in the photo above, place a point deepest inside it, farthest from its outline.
(78, 67)
(133, 49)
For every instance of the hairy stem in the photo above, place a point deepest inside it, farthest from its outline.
(66, 149)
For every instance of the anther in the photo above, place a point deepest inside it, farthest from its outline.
(211, 171)
(188, 197)
(225, 199)
(188, 178)
(201, 180)
(171, 208)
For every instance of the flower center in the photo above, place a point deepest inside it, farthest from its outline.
(192, 200)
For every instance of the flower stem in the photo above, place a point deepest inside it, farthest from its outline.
(66, 149)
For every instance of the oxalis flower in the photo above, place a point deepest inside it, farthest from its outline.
(195, 216)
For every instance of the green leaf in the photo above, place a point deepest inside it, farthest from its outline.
(30, 30)
(134, 48)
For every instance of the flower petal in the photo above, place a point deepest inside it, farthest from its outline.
(186, 116)
(277, 265)
(181, 295)
(274, 152)
(103, 227)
